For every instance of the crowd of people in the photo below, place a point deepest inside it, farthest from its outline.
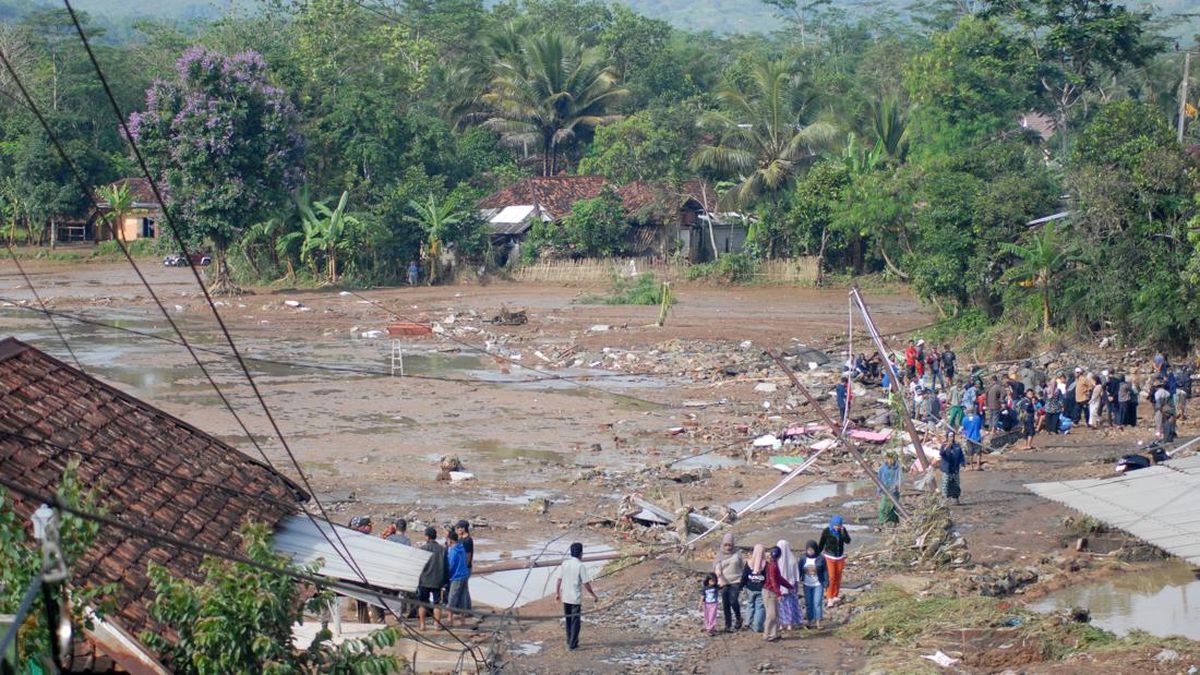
(783, 590)
(443, 591)
(1022, 401)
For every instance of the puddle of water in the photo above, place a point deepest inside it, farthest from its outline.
(809, 495)
(499, 450)
(1164, 601)
(525, 649)
(708, 462)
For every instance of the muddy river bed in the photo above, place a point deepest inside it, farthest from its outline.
(556, 421)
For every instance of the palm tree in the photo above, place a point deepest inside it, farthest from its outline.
(1040, 262)
(435, 219)
(763, 134)
(549, 89)
(120, 201)
(889, 121)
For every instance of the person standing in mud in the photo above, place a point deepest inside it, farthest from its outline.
(573, 580)
(463, 528)
(754, 574)
(772, 588)
(952, 461)
(831, 545)
(729, 568)
(814, 578)
(1027, 410)
(889, 476)
(972, 430)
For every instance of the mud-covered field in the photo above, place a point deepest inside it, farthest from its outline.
(560, 418)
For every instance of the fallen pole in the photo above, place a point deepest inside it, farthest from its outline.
(554, 560)
(893, 378)
(851, 446)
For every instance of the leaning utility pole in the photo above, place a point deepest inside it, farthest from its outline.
(850, 445)
(1183, 94)
(893, 378)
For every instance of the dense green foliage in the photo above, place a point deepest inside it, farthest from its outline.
(916, 144)
(240, 619)
(22, 557)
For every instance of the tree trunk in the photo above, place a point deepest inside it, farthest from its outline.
(888, 261)
(220, 282)
(821, 255)
(1046, 306)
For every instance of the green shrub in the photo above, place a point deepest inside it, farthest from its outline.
(642, 290)
(732, 268)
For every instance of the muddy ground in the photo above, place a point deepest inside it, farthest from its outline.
(559, 418)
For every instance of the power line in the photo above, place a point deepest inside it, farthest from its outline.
(483, 350)
(32, 106)
(57, 144)
(78, 318)
(42, 304)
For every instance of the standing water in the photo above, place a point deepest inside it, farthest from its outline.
(1162, 601)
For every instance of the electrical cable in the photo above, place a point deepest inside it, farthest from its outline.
(87, 191)
(42, 304)
(57, 144)
(16, 304)
(500, 357)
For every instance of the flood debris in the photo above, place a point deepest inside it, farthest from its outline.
(928, 539)
(510, 317)
(450, 465)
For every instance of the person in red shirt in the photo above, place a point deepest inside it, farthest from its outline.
(910, 360)
(771, 592)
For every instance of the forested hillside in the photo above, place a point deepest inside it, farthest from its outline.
(721, 16)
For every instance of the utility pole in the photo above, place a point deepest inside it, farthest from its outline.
(1183, 94)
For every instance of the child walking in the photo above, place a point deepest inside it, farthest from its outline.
(710, 599)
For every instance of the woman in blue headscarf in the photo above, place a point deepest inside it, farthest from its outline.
(832, 546)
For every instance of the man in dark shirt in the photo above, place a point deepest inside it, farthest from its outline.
(433, 577)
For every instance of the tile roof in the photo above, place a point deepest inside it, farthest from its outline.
(43, 398)
(139, 190)
(557, 194)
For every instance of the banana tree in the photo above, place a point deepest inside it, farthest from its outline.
(326, 231)
(436, 220)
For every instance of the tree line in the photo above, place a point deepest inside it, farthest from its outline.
(338, 140)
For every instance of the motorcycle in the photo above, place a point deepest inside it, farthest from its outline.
(1157, 454)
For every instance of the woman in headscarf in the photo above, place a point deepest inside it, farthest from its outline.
(729, 568)
(773, 587)
(832, 546)
(789, 601)
(753, 576)
(889, 476)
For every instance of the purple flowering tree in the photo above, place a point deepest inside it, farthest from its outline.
(224, 143)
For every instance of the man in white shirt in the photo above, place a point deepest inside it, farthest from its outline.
(573, 580)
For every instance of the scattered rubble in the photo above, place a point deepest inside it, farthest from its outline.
(927, 539)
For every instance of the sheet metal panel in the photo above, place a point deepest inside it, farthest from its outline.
(386, 564)
(1159, 504)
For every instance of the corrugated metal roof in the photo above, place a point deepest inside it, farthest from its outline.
(512, 214)
(1159, 504)
(385, 564)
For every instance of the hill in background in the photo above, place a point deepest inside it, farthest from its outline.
(721, 16)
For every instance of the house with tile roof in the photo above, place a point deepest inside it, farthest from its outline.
(665, 218)
(155, 472)
(140, 221)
